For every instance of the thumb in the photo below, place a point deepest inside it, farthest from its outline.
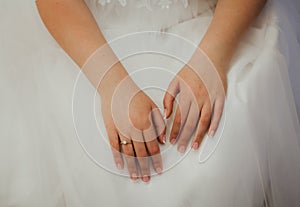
(169, 98)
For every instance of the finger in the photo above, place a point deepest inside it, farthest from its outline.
(169, 97)
(179, 119)
(159, 125)
(216, 116)
(115, 146)
(128, 152)
(188, 128)
(202, 125)
(142, 157)
(154, 152)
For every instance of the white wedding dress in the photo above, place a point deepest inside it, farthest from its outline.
(53, 153)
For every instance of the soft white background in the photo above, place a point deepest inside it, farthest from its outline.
(291, 10)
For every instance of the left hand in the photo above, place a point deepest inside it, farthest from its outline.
(200, 104)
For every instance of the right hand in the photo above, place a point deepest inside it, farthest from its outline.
(130, 115)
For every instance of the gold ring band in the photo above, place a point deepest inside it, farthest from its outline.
(124, 142)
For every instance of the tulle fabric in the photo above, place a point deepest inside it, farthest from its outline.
(43, 163)
(289, 37)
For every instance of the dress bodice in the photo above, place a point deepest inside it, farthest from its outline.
(138, 15)
(163, 4)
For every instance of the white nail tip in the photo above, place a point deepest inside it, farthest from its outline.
(211, 133)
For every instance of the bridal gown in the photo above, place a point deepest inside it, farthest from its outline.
(53, 144)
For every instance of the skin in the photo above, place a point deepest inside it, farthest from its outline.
(72, 25)
(231, 20)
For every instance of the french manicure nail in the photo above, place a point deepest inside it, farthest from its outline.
(158, 170)
(195, 146)
(211, 133)
(134, 176)
(146, 178)
(182, 149)
(165, 115)
(119, 166)
(134, 180)
(164, 139)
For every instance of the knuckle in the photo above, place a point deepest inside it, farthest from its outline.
(205, 119)
(141, 151)
(144, 119)
(154, 149)
(141, 122)
(128, 151)
(198, 92)
(203, 89)
(114, 144)
(138, 146)
(141, 154)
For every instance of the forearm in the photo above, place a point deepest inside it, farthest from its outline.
(230, 21)
(73, 26)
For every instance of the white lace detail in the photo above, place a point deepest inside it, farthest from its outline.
(163, 4)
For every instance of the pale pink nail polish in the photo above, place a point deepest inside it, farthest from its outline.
(195, 146)
(181, 149)
(165, 114)
(173, 141)
(119, 166)
(158, 170)
(211, 133)
(164, 139)
(146, 178)
(134, 176)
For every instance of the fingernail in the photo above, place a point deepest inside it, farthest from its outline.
(158, 170)
(165, 114)
(195, 146)
(146, 178)
(164, 139)
(181, 149)
(173, 141)
(134, 176)
(211, 133)
(119, 166)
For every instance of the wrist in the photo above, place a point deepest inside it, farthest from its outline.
(219, 52)
(111, 80)
(208, 69)
(104, 70)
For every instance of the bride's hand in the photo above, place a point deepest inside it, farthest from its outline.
(131, 116)
(201, 89)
